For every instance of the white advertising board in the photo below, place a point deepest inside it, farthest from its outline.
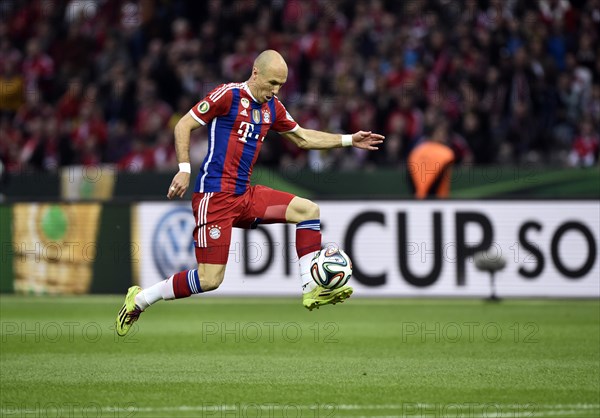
(400, 248)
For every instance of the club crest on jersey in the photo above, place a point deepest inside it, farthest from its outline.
(203, 107)
(214, 231)
(267, 116)
(256, 116)
(245, 102)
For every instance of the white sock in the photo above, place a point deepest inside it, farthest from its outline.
(160, 291)
(306, 279)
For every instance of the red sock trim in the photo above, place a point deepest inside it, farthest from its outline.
(181, 288)
(307, 241)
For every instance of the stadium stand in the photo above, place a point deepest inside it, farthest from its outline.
(87, 82)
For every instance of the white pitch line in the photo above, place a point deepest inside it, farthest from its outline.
(513, 414)
(424, 409)
(523, 408)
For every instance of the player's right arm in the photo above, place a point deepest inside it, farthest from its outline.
(183, 131)
(215, 104)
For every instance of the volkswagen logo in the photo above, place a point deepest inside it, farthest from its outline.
(173, 242)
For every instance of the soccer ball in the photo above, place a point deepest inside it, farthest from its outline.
(331, 267)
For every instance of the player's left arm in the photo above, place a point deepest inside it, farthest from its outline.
(312, 139)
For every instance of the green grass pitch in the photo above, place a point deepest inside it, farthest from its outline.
(269, 357)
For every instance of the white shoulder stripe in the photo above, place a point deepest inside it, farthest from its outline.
(221, 92)
(217, 91)
(230, 87)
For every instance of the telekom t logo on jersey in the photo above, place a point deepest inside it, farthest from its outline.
(246, 130)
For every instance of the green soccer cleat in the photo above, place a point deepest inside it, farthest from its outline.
(129, 313)
(320, 296)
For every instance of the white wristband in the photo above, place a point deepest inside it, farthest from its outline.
(346, 140)
(185, 167)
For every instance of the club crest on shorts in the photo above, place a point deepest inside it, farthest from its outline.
(267, 116)
(245, 102)
(203, 107)
(256, 116)
(214, 231)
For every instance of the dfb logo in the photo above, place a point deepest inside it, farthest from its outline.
(173, 242)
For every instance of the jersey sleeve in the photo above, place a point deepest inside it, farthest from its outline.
(216, 103)
(284, 122)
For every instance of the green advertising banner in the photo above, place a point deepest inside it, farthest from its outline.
(65, 248)
(6, 252)
(112, 270)
(54, 247)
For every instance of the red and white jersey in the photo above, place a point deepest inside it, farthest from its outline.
(237, 126)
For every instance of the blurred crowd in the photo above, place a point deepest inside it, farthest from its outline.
(105, 81)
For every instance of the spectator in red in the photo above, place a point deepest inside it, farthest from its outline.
(411, 115)
(90, 153)
(10, 143)
(19, 26)
(153, 113)
(31, 141)
(557, 12)
(164, 151)
(32, 107)
(585, 147)
(399, 75)
(42, 148)
(38, 67)
(90, 134)
(140, 158)
(57, 149)
(69, 105)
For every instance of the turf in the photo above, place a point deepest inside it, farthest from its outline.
(242, 357)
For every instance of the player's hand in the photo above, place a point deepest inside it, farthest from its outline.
(367, 140)
(179, 185)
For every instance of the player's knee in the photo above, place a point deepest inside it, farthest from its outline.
(311, 211)
(302, 210)
(210, 282)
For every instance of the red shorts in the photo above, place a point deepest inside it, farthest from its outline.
(217, 213)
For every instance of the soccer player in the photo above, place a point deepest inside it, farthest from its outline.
(238, 116)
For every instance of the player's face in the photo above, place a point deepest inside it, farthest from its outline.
(268, 82)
